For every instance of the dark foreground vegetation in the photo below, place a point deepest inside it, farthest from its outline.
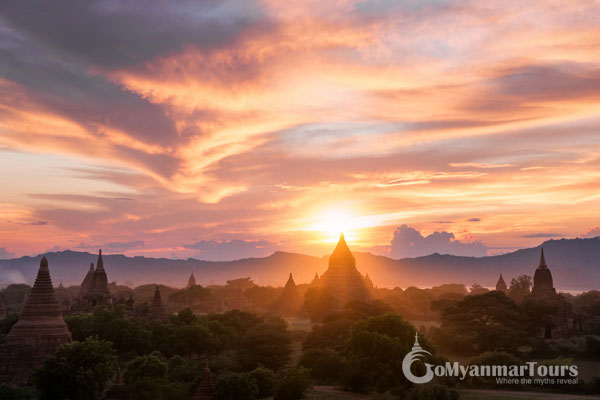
(255, 355)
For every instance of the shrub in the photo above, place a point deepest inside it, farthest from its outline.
(592, 345)
(231, 386)
(324, 364)
(432, 392)
(293, 385)
(8, 392)
(264, 379)
(83, 370)
(495, 358)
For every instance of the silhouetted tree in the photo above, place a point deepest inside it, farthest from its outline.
(484, 322)
(145, 377)
(476, 288)
(232, 386)
(6, 324)
(432, 391)
(265, 380)
(293, 385)
(9, 392)
(376, 347)
(324, 364)
(318, 303)
(189, 296)
(520, 287)
(77, 371)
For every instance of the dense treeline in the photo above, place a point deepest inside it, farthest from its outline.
(359, 348)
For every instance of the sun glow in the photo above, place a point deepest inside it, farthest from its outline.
(330, 223)
(334, 222)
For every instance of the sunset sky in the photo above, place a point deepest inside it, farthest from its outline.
(224, 129)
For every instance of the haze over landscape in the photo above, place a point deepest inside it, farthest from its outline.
(228, 132)
(572, 261)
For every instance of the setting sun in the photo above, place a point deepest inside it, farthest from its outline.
(334, 222)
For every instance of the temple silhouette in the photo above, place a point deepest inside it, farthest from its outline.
(543, 287)
(93, 292)
(290, 302)
(191, 281)
(501, 285)
(39, 331)
(157, 309)
(342, 280)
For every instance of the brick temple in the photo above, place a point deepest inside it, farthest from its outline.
(39, 331)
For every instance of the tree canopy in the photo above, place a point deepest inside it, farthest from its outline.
(84, 369)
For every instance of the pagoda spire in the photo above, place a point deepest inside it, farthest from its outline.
(99, 284)
(342, 256)
(543, 260)
(191, 281)
(100, 263)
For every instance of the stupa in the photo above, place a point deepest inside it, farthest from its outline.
(501, 285)
(205, 389)
(290, 302)
(191, 281)
(39, 331)
(342, 280)
(543, 287)
(157, 310)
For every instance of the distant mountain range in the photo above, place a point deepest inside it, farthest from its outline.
(575, 265)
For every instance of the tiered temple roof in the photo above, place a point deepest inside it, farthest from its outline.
(86, 285)
(205, 390)
(290, 302)
(501, 285)
(39, 331)
(94, 289)
(342, 279)
(542, 280)
(99, 285)
(157, 309)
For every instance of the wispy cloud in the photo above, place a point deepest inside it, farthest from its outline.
(238, 120)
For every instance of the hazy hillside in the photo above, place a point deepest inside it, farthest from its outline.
(575, 265)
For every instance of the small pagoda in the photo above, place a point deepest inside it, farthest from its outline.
(501, 285)
(157, 310)
(191, 281)
(205, 389)
(543, 286)
(290, 302)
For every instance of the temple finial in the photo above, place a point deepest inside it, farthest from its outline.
(543, 260)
